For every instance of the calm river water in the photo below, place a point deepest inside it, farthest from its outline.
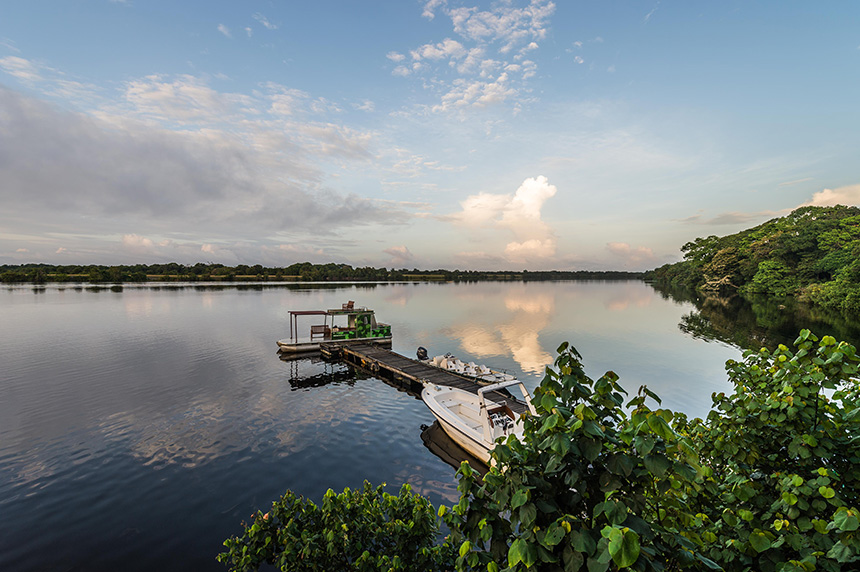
(139, 426)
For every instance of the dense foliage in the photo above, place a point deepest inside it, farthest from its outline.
(770, 481)
(359, 530)
(785, 450)
(587, 488)
(303, 271)
(814, 253)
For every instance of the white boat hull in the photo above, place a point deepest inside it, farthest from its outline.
(292, 346)
(462, 417)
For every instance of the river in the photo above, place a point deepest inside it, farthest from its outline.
(139, 425)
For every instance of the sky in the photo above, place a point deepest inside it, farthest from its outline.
(504, 135)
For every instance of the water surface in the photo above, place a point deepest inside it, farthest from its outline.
(140, 425)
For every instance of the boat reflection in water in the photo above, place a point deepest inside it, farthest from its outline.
(441, 445)
(333, 373)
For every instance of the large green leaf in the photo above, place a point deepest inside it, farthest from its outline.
(657, 464)
(759, 541)
(846, 520)
(624, 547)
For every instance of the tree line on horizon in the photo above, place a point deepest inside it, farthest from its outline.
(303, 271)
(812, 254)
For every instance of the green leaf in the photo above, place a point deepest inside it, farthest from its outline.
(846, 520)
(595, 565)
(554, 534)
(644, 444)
(841, 552)
(572, 560)
(659, 426)
(528, 514)
(591, 448)
(520, 498)
(826, 492)
(616, 512)
(624, 547)
(516, 552)
(759, 541)
(657, 464)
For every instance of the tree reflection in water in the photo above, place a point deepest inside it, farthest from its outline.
(755, 321)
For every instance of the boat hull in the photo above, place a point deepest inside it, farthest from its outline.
(293, 347)
(464, 428)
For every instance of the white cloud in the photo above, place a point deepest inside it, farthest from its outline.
(265, 21)
(848, 195)
(249, 31)
(20, 68)
(430, 8)
(447, 48)
(518, 214)
(509, 28)
(476, 93)
(224, 30)
(578, 59)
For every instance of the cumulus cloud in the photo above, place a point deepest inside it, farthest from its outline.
(518, 214)
(848, 195)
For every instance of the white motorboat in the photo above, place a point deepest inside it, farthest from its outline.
(475, 421)
(451, 363)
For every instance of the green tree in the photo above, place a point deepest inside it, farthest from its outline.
(588, 487)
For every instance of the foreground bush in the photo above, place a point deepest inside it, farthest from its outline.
(356, 530)
(587, 488)
(785, 456)
(770, 481)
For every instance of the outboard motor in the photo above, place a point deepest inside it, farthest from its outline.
(422, 353)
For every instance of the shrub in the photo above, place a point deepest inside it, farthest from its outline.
(357, 530)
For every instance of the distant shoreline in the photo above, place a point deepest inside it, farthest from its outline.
(303, 272)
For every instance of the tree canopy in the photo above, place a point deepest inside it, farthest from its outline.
(812, 253)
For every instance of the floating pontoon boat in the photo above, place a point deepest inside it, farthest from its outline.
(347, 324)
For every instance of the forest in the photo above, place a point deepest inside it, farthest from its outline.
(303, 271)
(812, 254)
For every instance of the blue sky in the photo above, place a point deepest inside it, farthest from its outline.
(431, 134)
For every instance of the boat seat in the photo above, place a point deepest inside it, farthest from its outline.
(349, 305)
(320, 331)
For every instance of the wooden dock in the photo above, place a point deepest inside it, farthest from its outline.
(410, 373)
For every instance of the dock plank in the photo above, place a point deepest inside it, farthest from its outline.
(404, 367)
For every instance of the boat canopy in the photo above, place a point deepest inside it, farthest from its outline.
(294, 320)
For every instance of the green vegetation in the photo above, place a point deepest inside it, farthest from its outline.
(768, 482)
(812, 253)
(303, 271)
(356, 530)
